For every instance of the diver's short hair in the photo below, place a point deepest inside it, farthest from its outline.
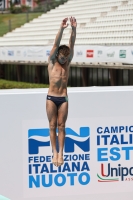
(64, 49)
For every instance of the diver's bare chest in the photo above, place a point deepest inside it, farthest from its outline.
(59, 70)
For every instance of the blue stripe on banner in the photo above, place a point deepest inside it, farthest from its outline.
(38, 132)
(84, 132)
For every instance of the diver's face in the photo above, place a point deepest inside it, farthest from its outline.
(62, 59)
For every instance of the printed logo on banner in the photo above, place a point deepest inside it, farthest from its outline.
(10, 53)
(3, 52)
(79, 53)
(18, 53)
(122, 54)
(42, 172)
(90, 53)
(114, 144)
(47, 52)
(99, 53)
(111, 54)
(30, 53)
(35, 53)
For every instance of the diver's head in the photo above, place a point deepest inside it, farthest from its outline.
(63, 54)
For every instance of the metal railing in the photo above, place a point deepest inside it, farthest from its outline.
(78, 76)
(18, 21)
(9, 22)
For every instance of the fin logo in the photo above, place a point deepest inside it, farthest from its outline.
(38, 138)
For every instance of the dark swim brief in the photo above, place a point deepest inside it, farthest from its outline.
(57, 100)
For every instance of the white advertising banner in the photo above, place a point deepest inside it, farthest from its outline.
(98, 150)
(83, 53)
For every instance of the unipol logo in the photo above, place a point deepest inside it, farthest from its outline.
(114, 174)
(38, 138)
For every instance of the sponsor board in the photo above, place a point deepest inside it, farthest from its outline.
(43, 175)
(109, 149)
(114, 151)
(41, 53)
(98, 150)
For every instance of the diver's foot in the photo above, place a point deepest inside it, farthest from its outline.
(55, 159)
(60, 159)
